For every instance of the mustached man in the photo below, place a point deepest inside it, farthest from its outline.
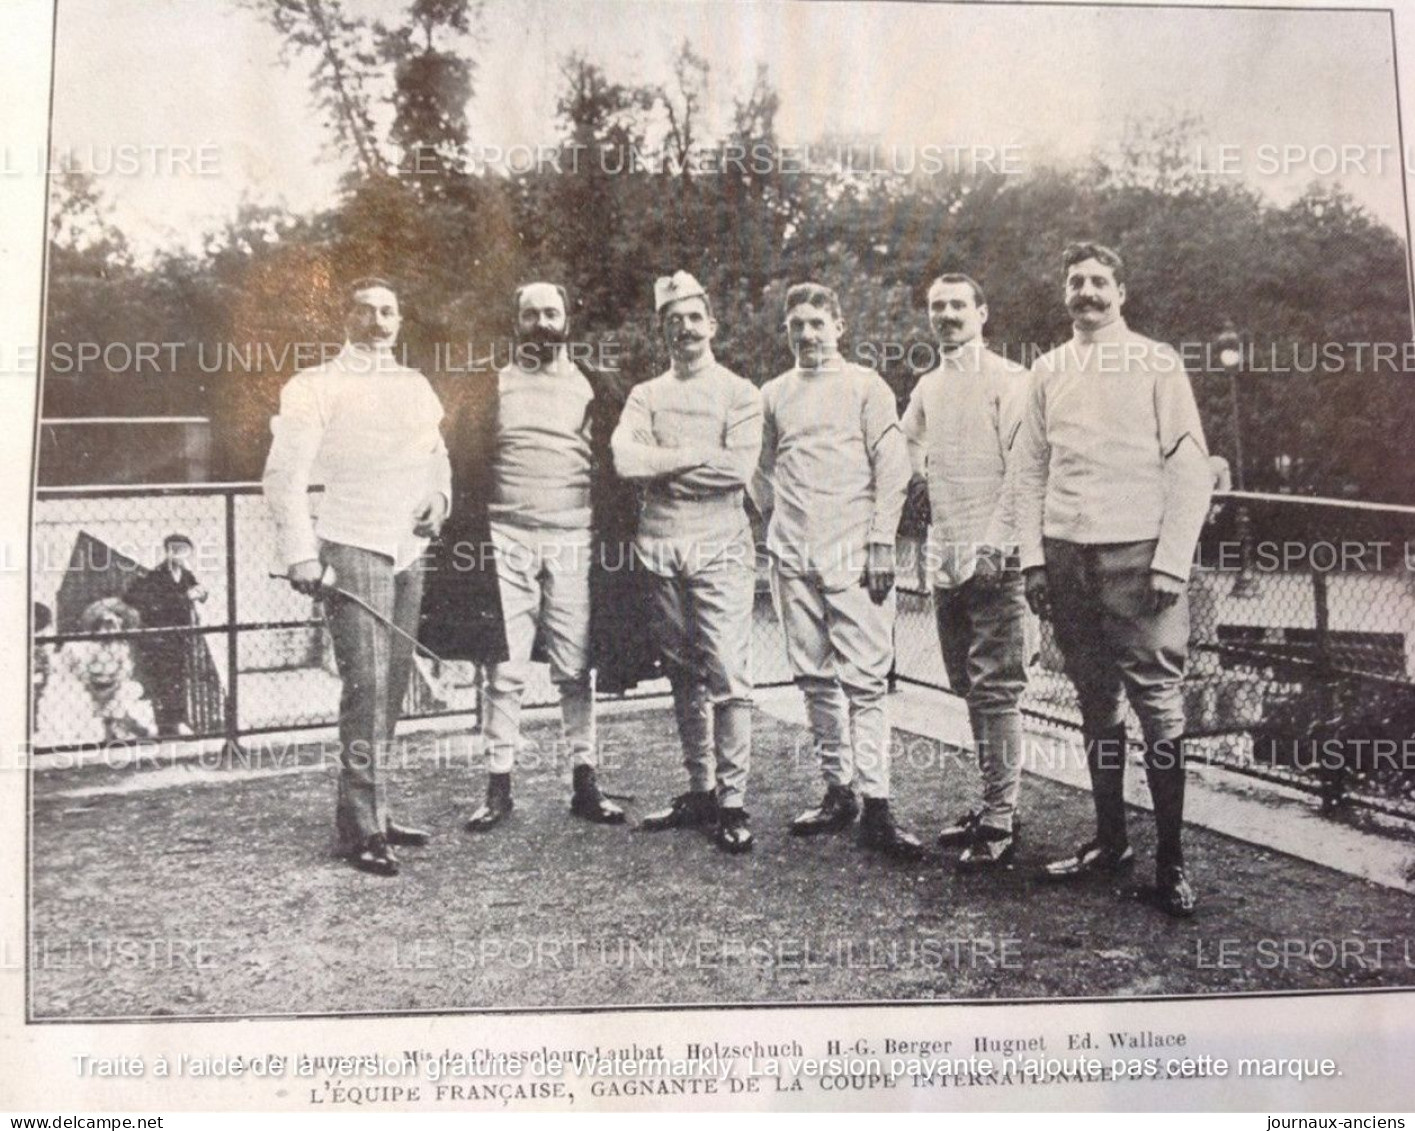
(962, 423)
(1112, 488)
(832, 481)
(536, 565)
(368, 427)
(692, 437)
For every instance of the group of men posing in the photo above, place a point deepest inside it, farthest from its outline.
(1078, 489)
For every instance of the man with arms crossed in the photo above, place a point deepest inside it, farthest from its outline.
(961, 423)
(692, 436)
(1112, 482)
(833, 477)
(370, 427)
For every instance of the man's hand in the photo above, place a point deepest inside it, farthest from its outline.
(197, 593)
(879, 571)
(991, 567)
(305, 577)
(1164, 591)
(1038, 593)
(429, 515)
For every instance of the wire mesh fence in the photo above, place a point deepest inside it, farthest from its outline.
(229, 651)
(1302, 650)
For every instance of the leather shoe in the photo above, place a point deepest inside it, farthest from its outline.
(1090, 859)
(992, 849)
(588, 802)
(1174, 896)
(837, 810)
(687, 811)
(409, 838)
(497, 807)
(375, 857)
(879, 832)
(733, 835)
(961, 831)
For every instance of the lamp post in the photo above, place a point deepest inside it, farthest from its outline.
(1229, 345)
(1230, 355)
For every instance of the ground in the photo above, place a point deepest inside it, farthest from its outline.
(215, 892)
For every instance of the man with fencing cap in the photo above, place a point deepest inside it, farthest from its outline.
(832, 481)
(692, 436)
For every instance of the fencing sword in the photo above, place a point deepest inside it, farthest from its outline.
(327, 584)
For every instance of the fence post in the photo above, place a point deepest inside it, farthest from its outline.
(1326, 692)
(232, 725)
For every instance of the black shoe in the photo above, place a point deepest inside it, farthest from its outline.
(961, 831)
(879, 832)
(409, 838)
(375, 857)
(733, 835)
(588, 802)
(1090, 860)
(688, 811)
(1173, 895)
(497, 807)
(992, 849)
(965, 829)
(837, 810)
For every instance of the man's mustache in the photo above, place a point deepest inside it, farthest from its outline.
(1089, 304)
(543, 335)
(949, 325)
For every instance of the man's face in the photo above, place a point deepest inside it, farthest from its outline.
(688, 328)
(178, 554)
(813, 333)
(955, 315)
(373, 318)
(1093, 297)
(541, 323)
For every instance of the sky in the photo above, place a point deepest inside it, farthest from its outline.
(1277, 92)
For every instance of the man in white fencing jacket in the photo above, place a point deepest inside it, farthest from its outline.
(961, 424)
(371, 427)
(692, 436)
(1112, 487)
(832, 481)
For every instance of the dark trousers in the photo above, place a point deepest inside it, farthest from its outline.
(1116, 647)
(165, 679)
(374, 664)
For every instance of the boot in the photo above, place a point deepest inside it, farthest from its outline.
(878, 831)
(733, 833)
(588, 802)
(837, 810)
(1106, 753)
(695, 809)
(1164, 769)
(496, 808)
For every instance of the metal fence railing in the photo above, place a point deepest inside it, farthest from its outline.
(1302, 656)
(1302, 647)
(253, 658)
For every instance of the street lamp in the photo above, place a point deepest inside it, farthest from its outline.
(1229, 346)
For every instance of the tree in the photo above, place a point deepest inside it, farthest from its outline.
(346, 60)
(432, 86)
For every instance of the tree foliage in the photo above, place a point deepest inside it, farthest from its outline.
(642, 187)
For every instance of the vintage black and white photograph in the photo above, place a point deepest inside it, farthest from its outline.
(604, 504)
